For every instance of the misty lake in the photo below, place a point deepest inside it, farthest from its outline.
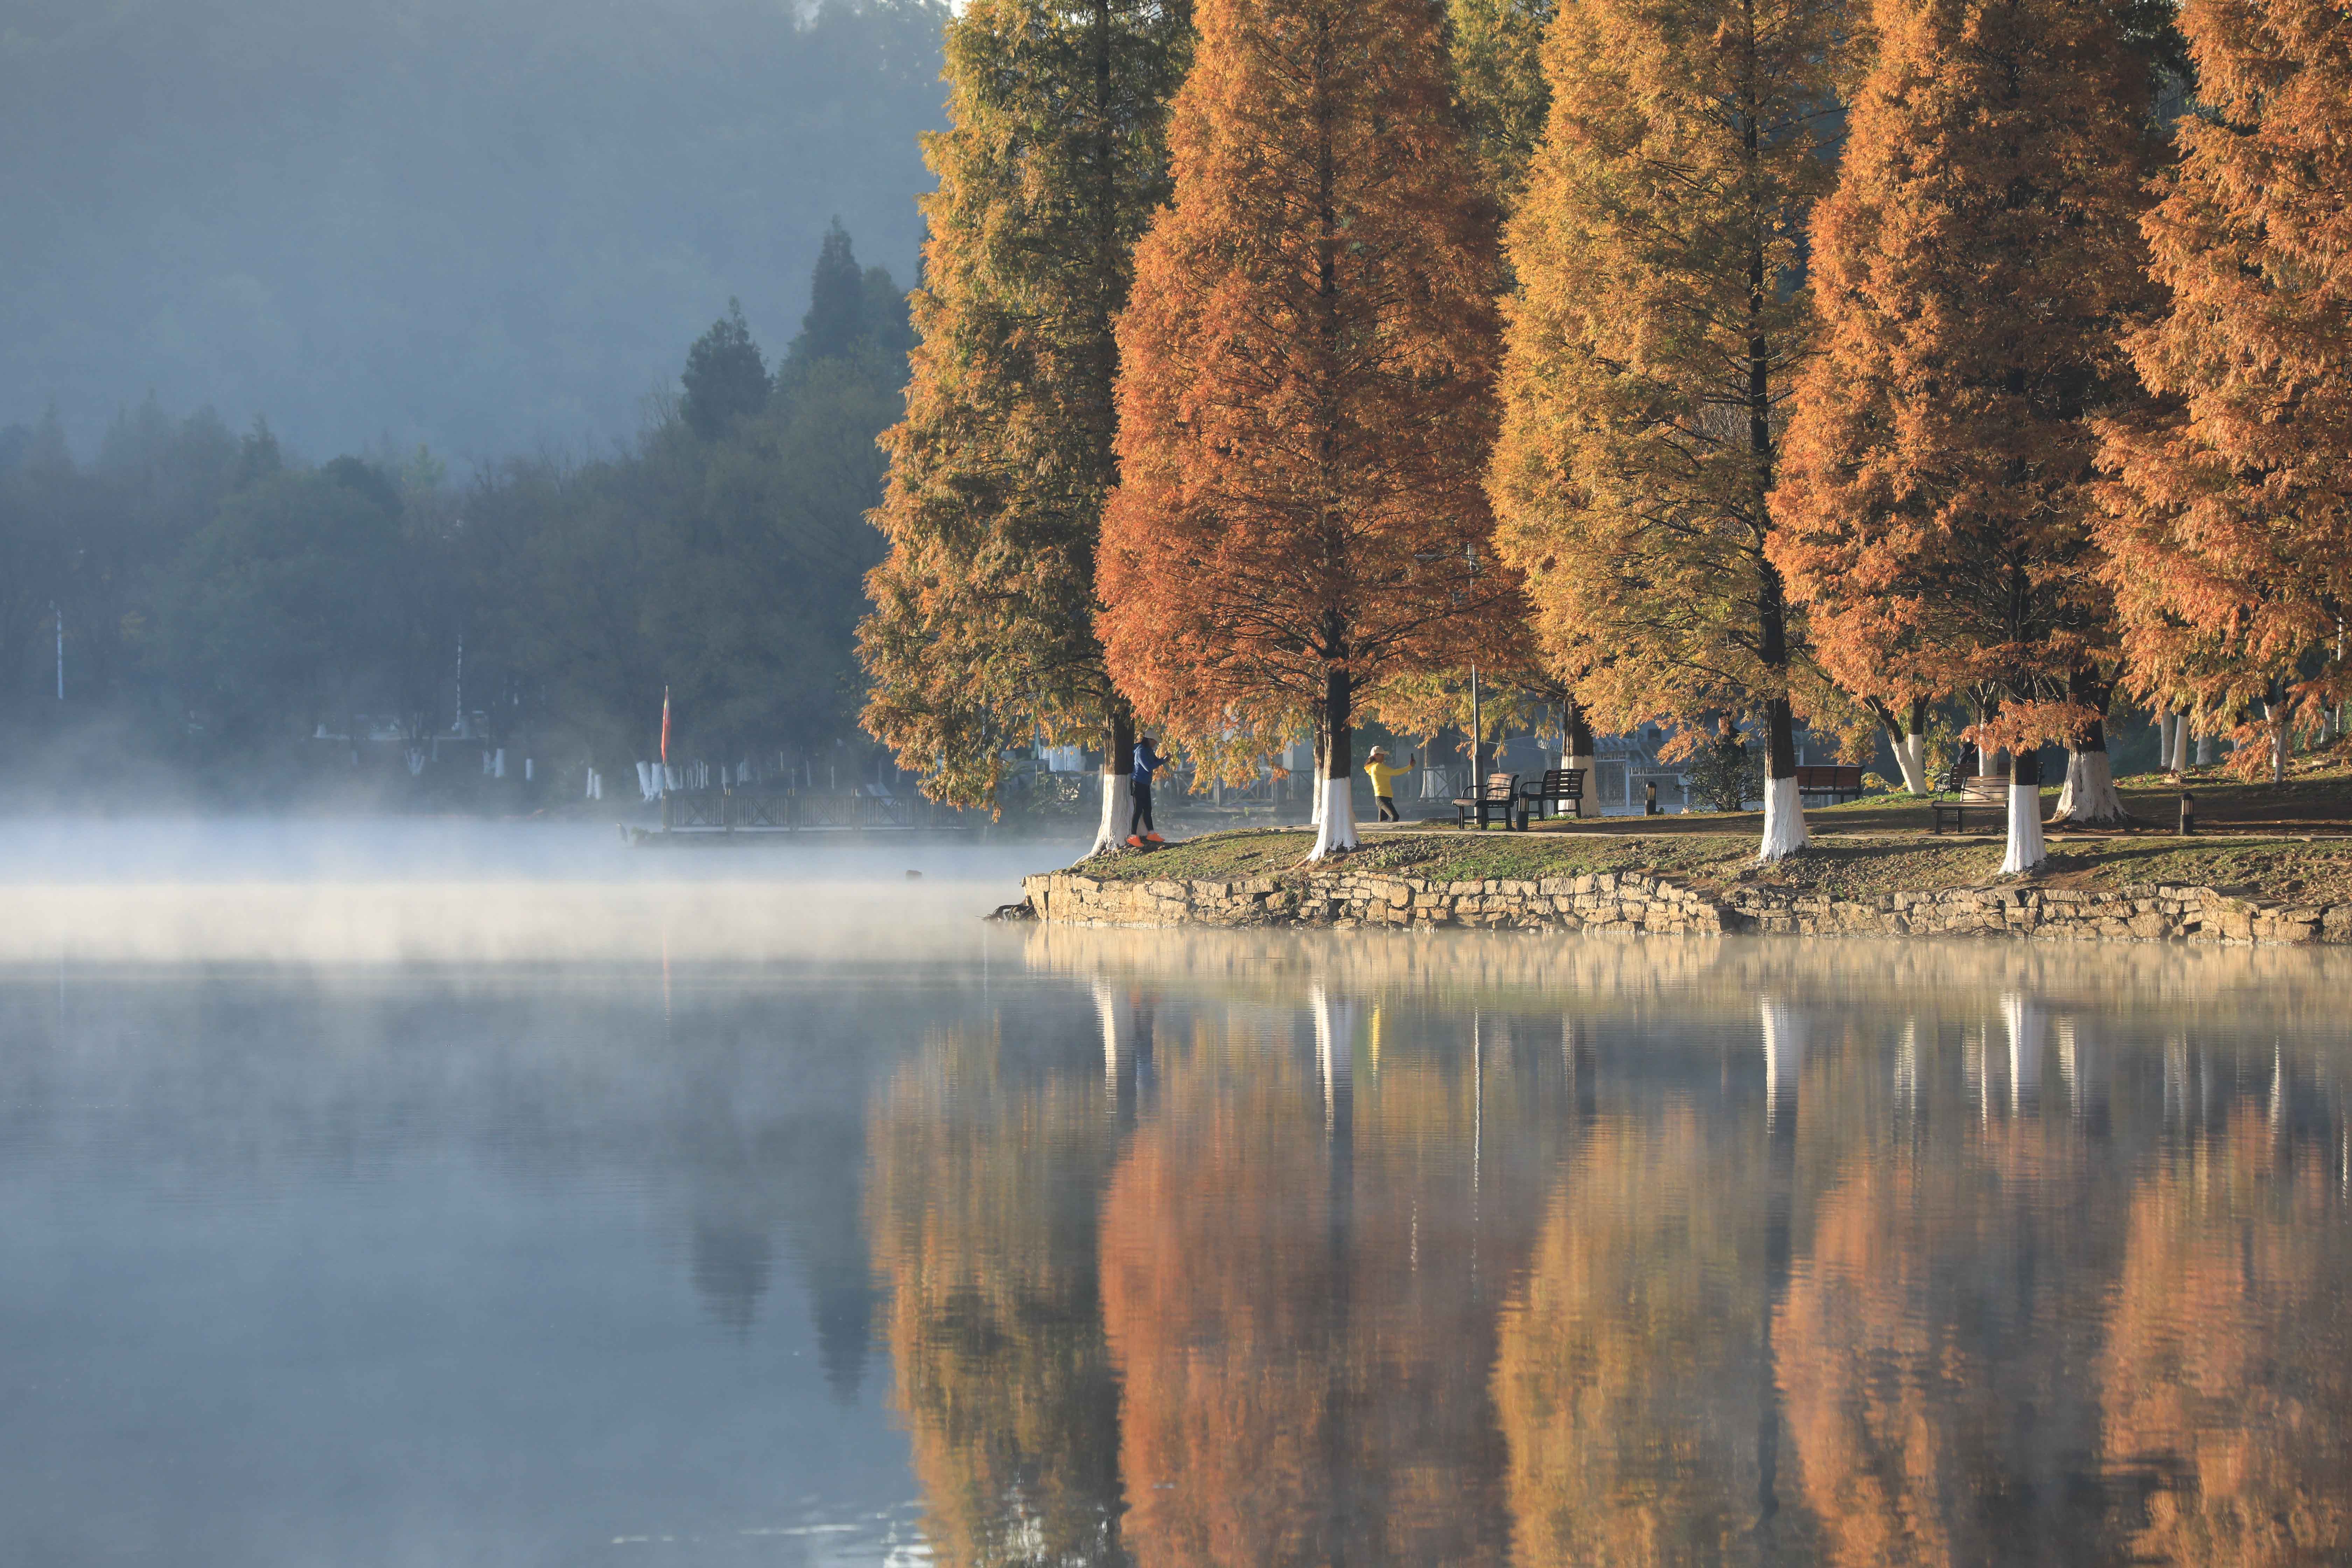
(429, 1194)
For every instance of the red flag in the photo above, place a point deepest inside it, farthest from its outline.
(664, 749)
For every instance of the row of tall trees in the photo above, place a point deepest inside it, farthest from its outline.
(215, 599)
(1761, 360)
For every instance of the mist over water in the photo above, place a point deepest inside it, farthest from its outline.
(438, 1192)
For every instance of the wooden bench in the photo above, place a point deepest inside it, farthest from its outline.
(1559, 786)
(1982, 792)
(1499, 797)
(1839, 780)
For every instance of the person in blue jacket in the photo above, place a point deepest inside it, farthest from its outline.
(1138, 787)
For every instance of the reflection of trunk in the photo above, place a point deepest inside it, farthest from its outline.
(2026, 849)
(1118, 758)
(1335, 830)
(1784, 1058)
(2029, 1041)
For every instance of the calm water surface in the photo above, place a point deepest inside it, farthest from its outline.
(465, 1198)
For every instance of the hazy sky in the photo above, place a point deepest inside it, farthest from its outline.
(487, 225)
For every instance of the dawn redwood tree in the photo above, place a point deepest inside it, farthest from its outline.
(983, 635)
(1973, 270)
(1498, 86)
(2229, 534)
(1659, 321)
(1306, 388)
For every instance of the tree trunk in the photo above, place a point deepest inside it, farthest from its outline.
(1315, 776)
(2090, 799)
(1784, 809)
(1910, 758)
(2026, 849)
(1335, 834)
(1118, 765)
(2167, 729)
(1908, 742)
(2274, 709)
(1576, 749)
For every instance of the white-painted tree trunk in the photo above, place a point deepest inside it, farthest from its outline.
(1784, 820)
(1114, 795)
(2026, 849)
(2089, 797)
(2275, 713)
(2204, 750)
(2168, 731)
(1591, 776)
(1911, 761)
(1334, 821)
(2179, 758)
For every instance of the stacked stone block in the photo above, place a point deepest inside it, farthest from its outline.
(1634, 902)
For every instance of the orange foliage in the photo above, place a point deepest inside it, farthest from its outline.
(1972, 269)
(1928, 1363)
(2225, 1371)
(2230, 533)
(1631, 1377)
(1294, 1298)
(1304, 397)
(1660, 318)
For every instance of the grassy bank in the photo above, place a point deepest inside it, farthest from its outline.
(2288, 845)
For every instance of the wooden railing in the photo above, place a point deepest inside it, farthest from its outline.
(744, 811)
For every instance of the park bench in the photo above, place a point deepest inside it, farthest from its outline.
(1841, 782)
(1558, 787)
(1983, 791)
(1499, 797)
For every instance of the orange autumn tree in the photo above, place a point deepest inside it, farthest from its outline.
(2229, 535)
(1660, 319)
(1972, 270)
(1305, 389)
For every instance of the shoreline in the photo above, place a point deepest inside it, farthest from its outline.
(1435, 886)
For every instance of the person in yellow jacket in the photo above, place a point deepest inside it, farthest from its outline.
(1384, 777)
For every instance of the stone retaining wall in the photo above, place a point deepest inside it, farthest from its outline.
(1637, 902)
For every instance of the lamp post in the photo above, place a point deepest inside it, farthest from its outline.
(1477, 714)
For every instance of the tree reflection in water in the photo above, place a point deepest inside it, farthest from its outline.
(1278, 1253)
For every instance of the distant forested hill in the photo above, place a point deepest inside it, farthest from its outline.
(481, 223)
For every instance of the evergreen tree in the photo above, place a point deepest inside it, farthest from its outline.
(725, 379)
(2228, 539)
(1653, 345)
(1973, 269)
(1305, 387)
(983, 630)
(836, 324)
